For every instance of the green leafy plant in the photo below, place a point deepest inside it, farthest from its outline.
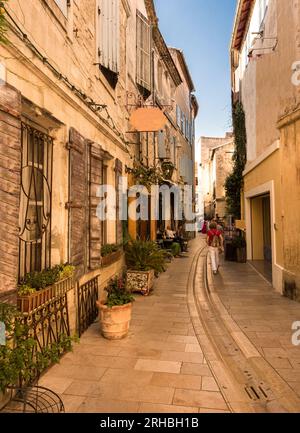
(234, 182)
(20, 360)
(25, 290)
(3, 23)
(145, 256)
(146, 176)
(67, 271)
(108, 249)
(117, 293)
(40, 280)
(175, 248)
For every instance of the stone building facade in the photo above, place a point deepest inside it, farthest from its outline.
(265, 78)
(71, 76)
(216, 165)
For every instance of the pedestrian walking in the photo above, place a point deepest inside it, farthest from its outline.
(215, 243)
(204, 228)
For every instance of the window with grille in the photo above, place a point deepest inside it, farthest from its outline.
(143, 73)
(35, 201)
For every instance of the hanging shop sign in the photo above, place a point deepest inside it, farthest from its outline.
(148, 119)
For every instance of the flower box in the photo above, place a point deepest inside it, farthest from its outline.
(111, 258)
(28, 303)
(140, 282)
(4, 399)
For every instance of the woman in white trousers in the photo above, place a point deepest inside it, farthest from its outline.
(215, 245)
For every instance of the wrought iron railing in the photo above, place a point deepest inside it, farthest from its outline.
(87, 296)
(47, 323)
(48, 328)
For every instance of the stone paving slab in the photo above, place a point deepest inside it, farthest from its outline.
(263, 315)
(158, 368)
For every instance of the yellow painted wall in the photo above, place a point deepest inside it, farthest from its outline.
(257, 229)
(270, 169)
(290, 160)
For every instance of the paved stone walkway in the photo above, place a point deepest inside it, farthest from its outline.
(159, 367)
(265, 317)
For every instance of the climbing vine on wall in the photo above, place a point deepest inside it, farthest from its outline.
(3, 23)
(234, 182)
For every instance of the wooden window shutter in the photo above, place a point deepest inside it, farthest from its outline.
(183, 167)
(182, 122)
(95, 225)
(10, 180)
(162, 152)
(109, 34)
(78, 201)
(143, 54)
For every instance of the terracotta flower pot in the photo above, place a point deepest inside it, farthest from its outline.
(140, 282)
(115, 321)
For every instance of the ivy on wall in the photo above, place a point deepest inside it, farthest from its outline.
(3, 23)
(234, 182)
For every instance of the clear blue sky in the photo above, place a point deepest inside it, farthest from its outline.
(202, 28)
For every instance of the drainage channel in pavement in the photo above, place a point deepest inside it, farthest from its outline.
(247, 381)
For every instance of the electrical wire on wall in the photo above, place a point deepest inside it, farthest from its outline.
(95, 107)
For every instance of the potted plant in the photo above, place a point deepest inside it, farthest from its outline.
(144, 260)
(239, 243)
(110, 253)
(36, 288)
(115, 312)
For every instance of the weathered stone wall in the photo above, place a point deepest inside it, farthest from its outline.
(217, 164)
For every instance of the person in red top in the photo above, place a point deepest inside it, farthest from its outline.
(204, 228)
(215, 245)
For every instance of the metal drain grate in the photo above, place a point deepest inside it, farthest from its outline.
(257, 393)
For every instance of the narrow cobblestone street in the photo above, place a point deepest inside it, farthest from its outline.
(161, 367)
